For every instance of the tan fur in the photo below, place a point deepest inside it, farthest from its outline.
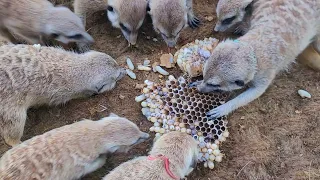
(271, 45)
(170, 17)
(35, 20)
(71, 151)
(310, 57)
(130, 13)
(181, 150)
(52, 76)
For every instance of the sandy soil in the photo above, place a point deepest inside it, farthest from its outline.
(275, 137)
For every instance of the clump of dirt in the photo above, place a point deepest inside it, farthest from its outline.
(274, 137)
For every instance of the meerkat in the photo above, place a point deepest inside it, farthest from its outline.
(31, 76)
(234, 16)
(170, 17)
(271, 45)
(178, 150)
(127, 15)
(36, 20)
(71, 151)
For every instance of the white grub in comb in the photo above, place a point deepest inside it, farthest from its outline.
(173, 106)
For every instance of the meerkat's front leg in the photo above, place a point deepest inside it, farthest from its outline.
(193, 21)
(12, 126)
(96, 164)
(243, 99)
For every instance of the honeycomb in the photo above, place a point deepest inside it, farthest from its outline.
(174, 106)
(191, 107)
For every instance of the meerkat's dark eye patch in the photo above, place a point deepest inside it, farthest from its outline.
(76, 36)
(213, 85)
(110, 8)
(123, 27)
(239, 82)
(228, 20)
(148, 7)
(54, 35)
(248, 8)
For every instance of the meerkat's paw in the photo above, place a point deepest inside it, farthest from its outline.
(194, 84)
(83, 47)
(217, 112)
(12, 142)
(193, 21)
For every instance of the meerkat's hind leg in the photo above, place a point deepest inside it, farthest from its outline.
(243, 99)
(12, 126)
(7, 35)
(193, 21)
(316, 44)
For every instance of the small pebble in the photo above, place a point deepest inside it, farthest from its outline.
(304, 93)
(121, 96)
(155, 40)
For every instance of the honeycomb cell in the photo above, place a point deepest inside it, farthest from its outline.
(204, 134)
(198, 114)
(218, 127)
(185, 107)
(185, 121)
(181, 92)
(197, 128)
(197, 96)
(194, 118)
(197, 110)
(215, 122)
(214, 131)
(183, 84)
(221, 123)
(171, 95)
(188, 99)
(223, 128)
(175, 104)
(181, 111)
(201, 124)
(180, 106)
(193, 113)
(205, 106)
(219, 132)
(206, 125)
(208, 130)
(187, 111)
(190, 121)
(203, 129)
(183, 98)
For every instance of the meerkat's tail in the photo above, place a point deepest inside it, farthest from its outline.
(310, 57)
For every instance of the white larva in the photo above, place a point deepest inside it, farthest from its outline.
(156, 129)
(212, 157)
(158, 134)
(183, 130)
(171, 127)
(210, 164)
(216, 152)
(143, 68)
(144, 104)
(304, 93)
(204, 150)
(130, 64)
(37, 47)
(214, 146)
(178, 128)
(153, 119)
(225, 134)
(162, 130)
(161, 71)
(145, 90)
(201, 139)
(218, 158)
(205, 164)
(140, 98)
(156, 124)
(171, 78)
(146, 62)
(131, 74)
(152, 129)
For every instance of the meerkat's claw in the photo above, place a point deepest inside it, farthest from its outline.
(217, 112)
(194, 84)
(194, 22)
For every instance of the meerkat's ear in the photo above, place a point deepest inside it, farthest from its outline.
(113, 115)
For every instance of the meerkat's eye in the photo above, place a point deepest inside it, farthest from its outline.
(77, 36)
(54, 35)
(148, 7)
(123, 27)
(214, 85)
(228, 20)
(239, 82)
(110, 8)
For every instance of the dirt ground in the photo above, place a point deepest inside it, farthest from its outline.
(274, 137)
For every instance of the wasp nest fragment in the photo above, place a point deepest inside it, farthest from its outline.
(192, 56)
(173, 106)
